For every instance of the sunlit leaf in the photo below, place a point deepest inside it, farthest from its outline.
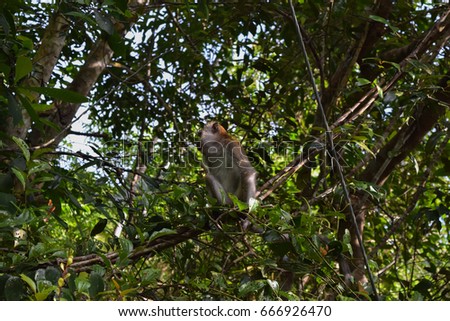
(23, 147)
(23, 67)
(30, 282)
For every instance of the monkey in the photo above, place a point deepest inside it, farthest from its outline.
(228, 169)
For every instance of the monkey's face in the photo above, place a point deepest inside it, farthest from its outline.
(207, 134)
(212, 134)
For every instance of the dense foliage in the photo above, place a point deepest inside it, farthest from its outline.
(101, 185)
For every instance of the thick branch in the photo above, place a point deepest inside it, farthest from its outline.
(44, 62)
(86, 262)
(372, 31)
(83, 82)
(63, 113)
(410, 136)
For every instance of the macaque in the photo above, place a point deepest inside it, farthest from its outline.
(228, 168)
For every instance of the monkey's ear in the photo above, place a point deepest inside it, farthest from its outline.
(215, 127)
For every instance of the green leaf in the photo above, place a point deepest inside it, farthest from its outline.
(60, 220)
(106, 261)
(203, 9)
(433, 142)
(423, 286)
(7, 22)
(37, 250)
(74, 201)
(29, 108)
(52, 274)
(395, 65)
(419, 65)
(241, 205)
(38, 152)
(384, 21)
(26, 42)
(43, 295)
(362, 82)
(23, 147)
(97, 284)
(99, 227)
(150, 276)
(251, 287)
(104, 22)
(13, 107)
(60, 94)
(379, 19)
(380, 91)
(20, 176)
(115, 41)
(126, 245)
(30, 282)
(364, 147)
(160, 233)
(3, 279)
(82, 283)
(346, 242)
(39, 166)
(23, 67)
(14, 289)
(39, 108)
(83, 16)
(49, 123)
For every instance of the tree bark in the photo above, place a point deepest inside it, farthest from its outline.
(63, 113)
(406, 140)
(396, 150)
(97, 61)
(44, 62)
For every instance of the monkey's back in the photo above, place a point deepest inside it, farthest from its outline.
(226, 164)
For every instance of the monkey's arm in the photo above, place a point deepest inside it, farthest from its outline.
(248, 186)
(216, 190)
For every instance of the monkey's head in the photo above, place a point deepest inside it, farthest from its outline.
(213, 128)
(212, 132)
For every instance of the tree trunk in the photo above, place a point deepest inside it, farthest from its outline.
(44, 62)
(385, 161)
(407, 139)
(63, 113)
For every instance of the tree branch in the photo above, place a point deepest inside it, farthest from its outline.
(44, 62)
(99, 57)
